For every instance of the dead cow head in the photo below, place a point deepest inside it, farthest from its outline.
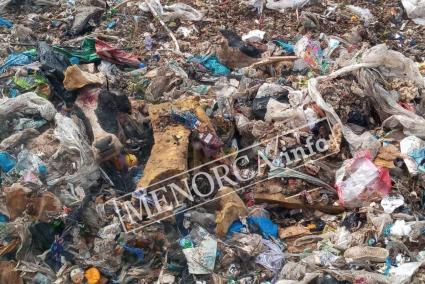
(100, 110)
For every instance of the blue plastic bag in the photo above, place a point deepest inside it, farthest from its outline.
(419, 157)
(3, 218)
(111, 25)
(7, 162)
(13, 93)
(17, 59)
(136, 251)
(289, 48)
(212, 64)
(5, 23)
(187, 118)
(265, 225)
(236, 227)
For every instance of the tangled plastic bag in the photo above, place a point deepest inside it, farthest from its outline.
(17, 59)
(360, 180)
(72, 142)
(376, 62)
(415, 9)
(27, 104)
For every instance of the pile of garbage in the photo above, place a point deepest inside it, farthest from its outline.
(250, 141)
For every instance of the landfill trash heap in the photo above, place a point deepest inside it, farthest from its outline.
(222, 142)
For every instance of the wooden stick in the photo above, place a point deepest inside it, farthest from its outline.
(6, 76)
(22, 44)
(155, 14)
(273, 59)
(121, 4)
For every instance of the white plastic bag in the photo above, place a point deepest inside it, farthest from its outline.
(415, 10)
(401, 229)
(392, 202)
(254, 35)
(27, 104)
(363, 13)
(281, 5)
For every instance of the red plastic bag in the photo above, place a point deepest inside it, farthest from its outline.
(359, 179)
(115, 55)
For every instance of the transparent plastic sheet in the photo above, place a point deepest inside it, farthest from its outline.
(391, 64)
(359, 276)
(360, 180)
(404, 272)
(73, 141)
(109, 70)
(155, 4)
(201, 257)
(363, 13)
(175, 11)
(386, 63)
(225, 96)
(411, 126)
(342, 238)
(4, 3)
(273, 258)
(415, 10)
(34, 267)
(182, 11)
(292, 271)
(27, 104)
(28, 161)
(291, 173)
(17, 137)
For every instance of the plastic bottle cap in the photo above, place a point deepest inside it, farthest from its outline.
(74, 60)
(77, 275)
(131, 160)
(92, 275)
(42, 169)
